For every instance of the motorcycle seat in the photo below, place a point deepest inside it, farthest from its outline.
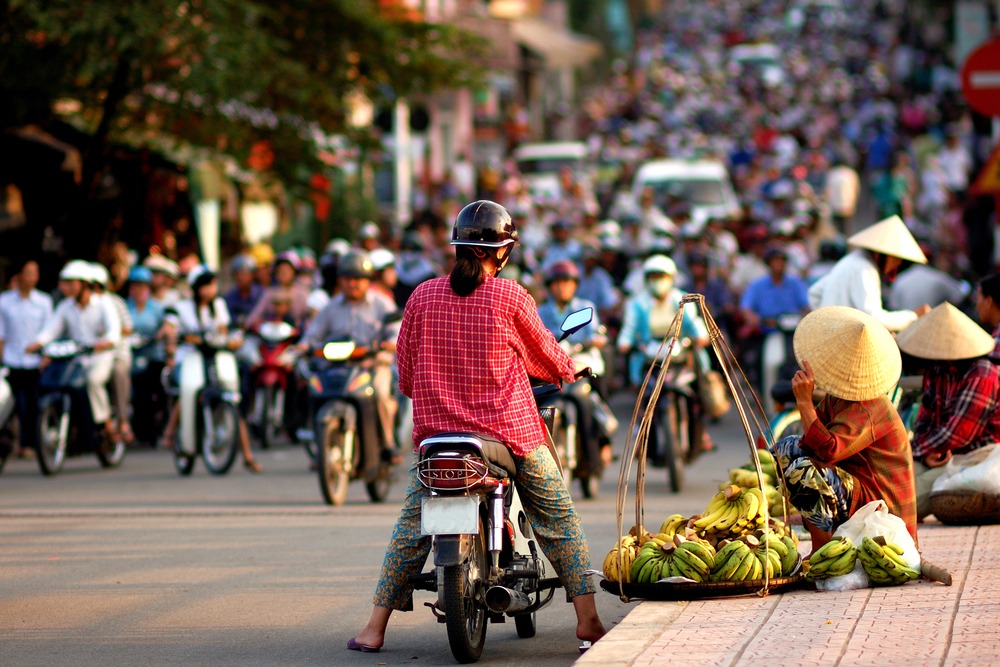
(496, 452)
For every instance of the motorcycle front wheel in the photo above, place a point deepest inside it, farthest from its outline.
(110, 453)
(464, 608)
(672, 425)
(269, 397)
(333, 475)
(525, 625)
(51, 441)
(220, 450)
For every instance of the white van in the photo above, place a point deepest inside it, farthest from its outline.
(702, 184)
(540, 163)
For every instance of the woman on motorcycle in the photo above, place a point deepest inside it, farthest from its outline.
(205, 312)
(466, 346)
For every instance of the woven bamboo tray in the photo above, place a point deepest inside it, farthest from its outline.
(965, 508)
(702, 591)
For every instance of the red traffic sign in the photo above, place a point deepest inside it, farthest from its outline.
(981, 78)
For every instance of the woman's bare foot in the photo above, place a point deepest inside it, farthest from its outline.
(588, 626)
(373, 634)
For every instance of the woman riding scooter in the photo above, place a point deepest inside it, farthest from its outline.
(467, 344)
(204, 312)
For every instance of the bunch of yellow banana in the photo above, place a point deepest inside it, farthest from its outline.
(733, 511)
(672, 525)
(883, 561)
(627, 547)
(833, 559)
(679, 558)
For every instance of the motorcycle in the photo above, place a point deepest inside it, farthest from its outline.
(674, 439)
(270, 379)
(65, 423)
(487, 565)
(209, 405)
(150, 399)
(7, 439)
(577, 422)
(777, 357)
(345, 437)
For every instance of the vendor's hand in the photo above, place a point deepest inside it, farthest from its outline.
(803, 384)
(922, 310)
(34, 347)
(103, 345)
(937, 459)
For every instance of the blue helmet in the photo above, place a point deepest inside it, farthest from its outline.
(140, 274)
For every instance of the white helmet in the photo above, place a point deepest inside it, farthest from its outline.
(99, 274)
(381, 258)
(76, 269)
(659, 264)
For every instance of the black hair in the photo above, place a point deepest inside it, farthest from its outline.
(468, 272)
(990, 286)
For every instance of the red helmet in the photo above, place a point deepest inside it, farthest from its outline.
(562, 270)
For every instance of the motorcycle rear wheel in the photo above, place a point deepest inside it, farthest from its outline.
(51, 446)
(220, 452)
(333, 475)
(464, 609)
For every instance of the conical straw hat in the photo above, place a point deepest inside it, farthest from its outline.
(945, 333)
(852, 355)
(889, 237)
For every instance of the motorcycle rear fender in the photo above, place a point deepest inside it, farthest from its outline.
(270, 376)
(451, 549)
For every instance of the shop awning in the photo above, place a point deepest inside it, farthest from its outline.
(558, 46)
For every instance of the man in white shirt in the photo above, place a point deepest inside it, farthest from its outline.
(856, 280)
(24, 311)
(91, 322)
(956, 162)
(841, 189)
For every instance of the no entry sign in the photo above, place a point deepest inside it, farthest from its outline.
(981, 79)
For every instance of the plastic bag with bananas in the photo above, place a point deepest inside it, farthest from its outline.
(883, 562)
(834, 559)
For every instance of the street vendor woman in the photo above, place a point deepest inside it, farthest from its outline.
(854, 449)
(961, 390)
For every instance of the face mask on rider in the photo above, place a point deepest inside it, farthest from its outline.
(660, 287)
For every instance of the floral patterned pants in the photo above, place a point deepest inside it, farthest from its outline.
(549, 508)
(822, 495)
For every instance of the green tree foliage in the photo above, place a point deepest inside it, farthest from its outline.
(220, 74)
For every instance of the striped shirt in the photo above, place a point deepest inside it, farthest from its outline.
(465, 361)
(868, 440)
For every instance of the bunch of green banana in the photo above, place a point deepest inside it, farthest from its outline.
(747, 478)
(884, 562)
(833, 559)
(692, 558)
(779, 557)
(651, 563)
(736, 561)
(627, 548)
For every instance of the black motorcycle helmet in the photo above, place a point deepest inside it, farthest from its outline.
(356, 264)
(484, 224)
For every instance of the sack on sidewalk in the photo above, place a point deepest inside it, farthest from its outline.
(978, 471)
(714, 394)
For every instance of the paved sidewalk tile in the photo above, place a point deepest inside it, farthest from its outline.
(922, 623)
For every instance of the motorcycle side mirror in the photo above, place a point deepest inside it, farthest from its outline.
(575, 321)
(338, 351)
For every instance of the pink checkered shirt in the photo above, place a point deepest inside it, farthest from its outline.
(465, 361)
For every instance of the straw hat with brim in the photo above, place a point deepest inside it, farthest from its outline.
(889, 237)
(945, 334)
(852, 355)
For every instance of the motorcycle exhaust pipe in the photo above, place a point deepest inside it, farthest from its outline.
(500, 599)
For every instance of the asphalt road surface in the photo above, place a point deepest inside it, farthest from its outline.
(138, 566)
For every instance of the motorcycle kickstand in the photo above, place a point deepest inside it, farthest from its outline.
(438, 614)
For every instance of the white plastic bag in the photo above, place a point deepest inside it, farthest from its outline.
(978, 470)
(872, 520)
